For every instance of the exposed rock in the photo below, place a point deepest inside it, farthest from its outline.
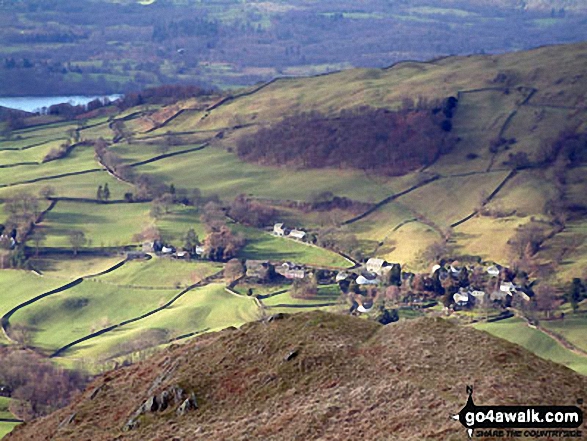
(291, 355)
(173, 395)
(278, 316)
(96, 391)
(163, 400)
(151, 405)
(67, 421)
(190, 403)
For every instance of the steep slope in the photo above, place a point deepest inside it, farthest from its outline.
(310, 376)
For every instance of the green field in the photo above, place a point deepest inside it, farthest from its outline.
(164, 273)
(449, 200)
(516, 331)
(103, 225)
(6, 428)
(215, 171)
(203, 309)
(62, 318)
(80, 159)
(326, 294)
(4, 412)
(572, 328)
(262, 245)
(24, 285)
(81, 186)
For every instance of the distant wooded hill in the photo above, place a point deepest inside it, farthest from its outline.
(96, 47)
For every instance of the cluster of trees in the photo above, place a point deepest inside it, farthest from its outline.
(327, 201)
(59, 152)
(221, 243)
(103, 193)
(37, 386)
(376, 140)
(70, 111)
(251, 212)
(111, 160)
(22, 211)
(306, 288)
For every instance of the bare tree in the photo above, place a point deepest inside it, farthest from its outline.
(77, 239)
(233, 270)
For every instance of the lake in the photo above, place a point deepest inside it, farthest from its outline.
(36, 103)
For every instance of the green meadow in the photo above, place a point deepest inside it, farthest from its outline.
(103, 225)
(204, 309)
(88, 307)
(517, 331)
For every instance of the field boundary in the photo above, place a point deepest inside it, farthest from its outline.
(389, 199)
(68, 346)
(5, 319)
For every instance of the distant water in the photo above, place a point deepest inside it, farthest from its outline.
(36, 103)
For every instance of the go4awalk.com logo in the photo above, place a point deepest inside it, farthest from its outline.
(520, 421)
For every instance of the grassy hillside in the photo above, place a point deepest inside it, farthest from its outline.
(476, 195)
(343, 378)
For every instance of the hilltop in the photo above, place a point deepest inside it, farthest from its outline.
(313, 375)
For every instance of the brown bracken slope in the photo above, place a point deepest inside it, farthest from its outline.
(312, 376)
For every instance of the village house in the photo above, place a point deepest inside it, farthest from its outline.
(278, 229)
(361, 306)
(167, 249)
(297, 234)
(9, 240)
(461, 298)
(365, 306)
(479, 296)
(291, 270)
(507, 287)
(259, 269)
(181, 254)
(493, 270)
(200, 250)
(378, 266)
(367, 278)
(455, 269)
(342, 275)
(295, 273)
